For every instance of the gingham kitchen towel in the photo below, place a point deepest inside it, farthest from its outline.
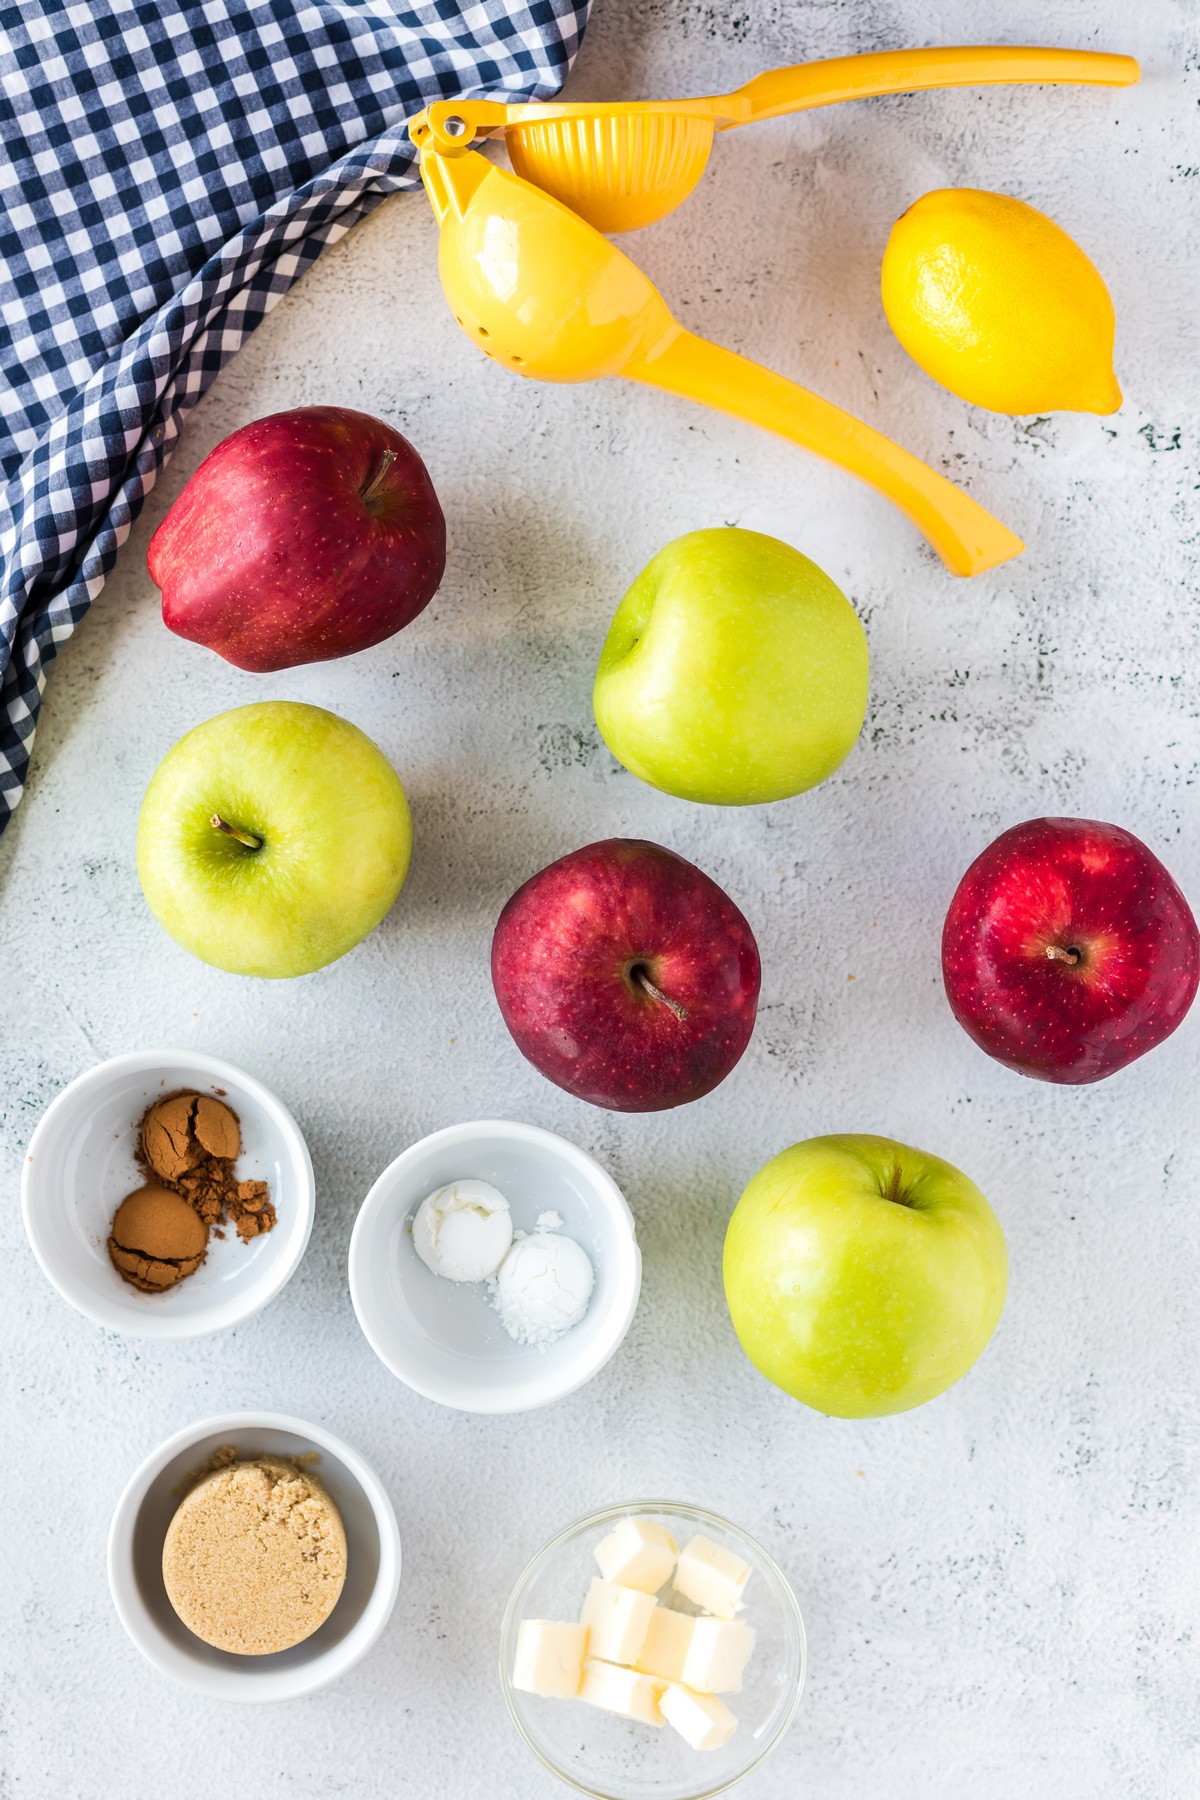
(168, 168)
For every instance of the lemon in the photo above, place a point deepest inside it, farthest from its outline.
(996, 302)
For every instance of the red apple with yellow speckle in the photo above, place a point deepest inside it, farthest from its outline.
(627, 976)
(1068, 950)
(307, 535)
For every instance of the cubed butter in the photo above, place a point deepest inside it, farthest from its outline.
(637, 1553)
(717, 1655)
(549, 1658)
(711, 1577)
(668, 1639)
(622, 1691)
(617, 1620)
(703, 1719)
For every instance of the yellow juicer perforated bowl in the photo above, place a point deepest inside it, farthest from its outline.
(545, 294)
(626, 165)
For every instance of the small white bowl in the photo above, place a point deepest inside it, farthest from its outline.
(80, 1165)
(442, 1338)
(147, 1506)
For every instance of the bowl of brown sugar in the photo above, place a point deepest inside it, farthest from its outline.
(254, 1557)
(167, 1194)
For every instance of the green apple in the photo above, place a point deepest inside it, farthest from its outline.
(863, 1277)
(734, 671)
(272, 838)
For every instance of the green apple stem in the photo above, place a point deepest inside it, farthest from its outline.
(243, 837)
(895, 1190)
(643, 980)
(372, 487)
(1057, 955)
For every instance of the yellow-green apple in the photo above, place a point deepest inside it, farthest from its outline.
(627, 976)
(734, 671)
(1068, 951)
(863, 1277)
(306, 535)
(272, 838)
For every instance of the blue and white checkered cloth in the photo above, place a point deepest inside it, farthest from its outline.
(168, 168)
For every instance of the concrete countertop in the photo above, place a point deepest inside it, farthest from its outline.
(1001, 1589)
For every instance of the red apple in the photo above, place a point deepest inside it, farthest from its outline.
(304, 536)
(1068, 950)
(627, 976)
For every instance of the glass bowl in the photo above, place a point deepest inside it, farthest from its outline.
(610, 1758)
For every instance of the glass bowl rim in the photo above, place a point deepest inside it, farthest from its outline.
(698, 1515)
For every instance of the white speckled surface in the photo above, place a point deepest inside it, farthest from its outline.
(1001, 1590)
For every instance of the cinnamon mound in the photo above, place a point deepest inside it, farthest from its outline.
(181, 1130)
(191, 1142)
(187, 1144)
(156, 1239)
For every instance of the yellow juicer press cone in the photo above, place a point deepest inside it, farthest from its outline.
(624, 166)
(542, 292)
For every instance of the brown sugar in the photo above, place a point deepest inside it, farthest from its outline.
(156, 1239)
(188, 1144)
(254, 1560)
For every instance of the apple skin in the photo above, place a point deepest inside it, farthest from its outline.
(336, 839)
(297, 540)
(564, 954)
(1069, 888)
(863, 1277)
(734, 671)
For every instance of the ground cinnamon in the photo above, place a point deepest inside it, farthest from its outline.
(188, 1144)
(156, 1239)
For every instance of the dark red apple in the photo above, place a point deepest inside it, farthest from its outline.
(627, 976)
(304, 536)
(1068, 950)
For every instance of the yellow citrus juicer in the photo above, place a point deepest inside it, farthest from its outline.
(623, 166)
(543, 292)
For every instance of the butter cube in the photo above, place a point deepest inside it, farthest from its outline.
(622, 1691)
(617, 1620)
(717, 1655)
(704, 1720)
(711, 1577)
(549, 1658)
(668, 1640)
(637, 1553)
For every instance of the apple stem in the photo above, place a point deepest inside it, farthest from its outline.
(894, 1190)
(372, 487)
(644, 982)
(243, 837)
(1057, 955)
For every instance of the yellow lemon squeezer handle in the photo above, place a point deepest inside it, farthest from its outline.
(805, 85)
(968, 538)
(451, 126)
